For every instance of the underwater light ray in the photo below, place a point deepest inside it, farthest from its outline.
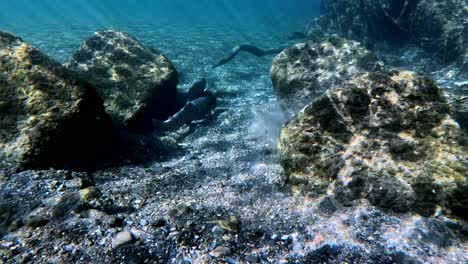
(27, 13)
(234, 19)
(119, 143)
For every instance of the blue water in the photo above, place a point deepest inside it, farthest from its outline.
(193, 34)
(62, 20)
(260, 13)
(229, 162)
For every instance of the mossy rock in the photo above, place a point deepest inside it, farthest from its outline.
(137, 83)
(48, 116)
(390, 131)
(305, 71)
(440, 28)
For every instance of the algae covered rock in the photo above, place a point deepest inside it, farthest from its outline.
(136, 83)
(369, 21)
(383, 136)
(441, 28)
(48, 117)
(306, 70)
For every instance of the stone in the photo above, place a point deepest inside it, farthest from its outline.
(440, 28)
(137, 83)
(122, 238)
(369, 21)
(252, 258)
(48, 116)
(397, 124)
(61, 205)
(305, 71)
(220, 251)
(138, 234)
(89, 194)
(218, 231)
(37, 218)
(231, 225)
(453, 224)
(327, 205)
(71, 201)
(97, 215)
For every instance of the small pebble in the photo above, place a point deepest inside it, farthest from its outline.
(122, 238)
(451, 223)
(220, 252)
(252, 258)
(89, 193)
(138, 234)
(217, 231)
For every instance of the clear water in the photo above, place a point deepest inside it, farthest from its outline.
(193, 34)
(229, 164)
(57, 26)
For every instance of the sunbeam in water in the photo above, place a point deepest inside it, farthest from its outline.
(247, 131)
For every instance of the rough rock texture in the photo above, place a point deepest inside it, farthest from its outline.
(460, 107)
(368, 20)
(47, 116)
(177, 209)
(383, 136)
(439, 27)
(136, 83)
(305, 71)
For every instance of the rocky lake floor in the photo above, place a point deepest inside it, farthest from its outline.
(220, 197)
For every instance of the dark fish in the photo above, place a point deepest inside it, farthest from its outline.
(246, 48)
(192, 111)
(205, 103)
(196, 90)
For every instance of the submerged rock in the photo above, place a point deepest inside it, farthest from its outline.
(48, 117)
(122, 238)
(383, 136)
(220, 252)
(369, 21)
(136, 83)
(439, 27)
(459, 105)
(305, 71)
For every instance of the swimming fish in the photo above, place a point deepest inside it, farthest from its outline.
(246, 48)
(193, 110)
(196, 90)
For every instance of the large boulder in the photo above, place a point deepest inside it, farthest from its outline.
(48, 117)
(368, 21)
(306, 70)
(383, 136)
(459, 104)
(441, 28)
(137, 83)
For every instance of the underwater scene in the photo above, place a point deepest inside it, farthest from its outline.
(233, 131)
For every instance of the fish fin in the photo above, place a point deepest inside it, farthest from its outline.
(196, 90)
